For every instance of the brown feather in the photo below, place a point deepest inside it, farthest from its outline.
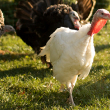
(1, 19)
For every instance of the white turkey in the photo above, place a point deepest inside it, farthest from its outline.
(38, 19)
(71, 52)
(4, 28)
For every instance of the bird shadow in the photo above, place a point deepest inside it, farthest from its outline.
(101, 47)
(14, 56)
(29, 70)
(84, 93)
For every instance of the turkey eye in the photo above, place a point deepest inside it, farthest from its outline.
(102, 13)
(73, 14)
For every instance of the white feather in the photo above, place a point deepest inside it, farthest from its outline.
(71, 53)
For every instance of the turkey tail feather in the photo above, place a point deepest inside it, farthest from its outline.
(28, 9)
(23, 10)
(84, 8)
(1, 19)
(53, 2)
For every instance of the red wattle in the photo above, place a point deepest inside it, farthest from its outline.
(97, 26)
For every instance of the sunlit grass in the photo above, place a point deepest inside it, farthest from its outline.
(27, 84)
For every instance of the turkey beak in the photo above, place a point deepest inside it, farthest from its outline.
(76, 23)
(108, 16)
(14, 32)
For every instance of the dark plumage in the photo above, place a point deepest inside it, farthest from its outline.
(37, 19)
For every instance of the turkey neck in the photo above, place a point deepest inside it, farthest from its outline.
(96, 25)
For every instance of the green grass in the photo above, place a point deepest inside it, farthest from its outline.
(26, 84)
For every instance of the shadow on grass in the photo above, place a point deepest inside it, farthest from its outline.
(12, 56)
(101, 47)
(41, 73)
(84, 94)
(87, 93)
(39, 100)
(42, 99)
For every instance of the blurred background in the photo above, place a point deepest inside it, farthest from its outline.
(8, 8)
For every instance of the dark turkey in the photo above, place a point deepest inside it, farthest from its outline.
(38, 19)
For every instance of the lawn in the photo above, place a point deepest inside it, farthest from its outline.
(26, 84)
